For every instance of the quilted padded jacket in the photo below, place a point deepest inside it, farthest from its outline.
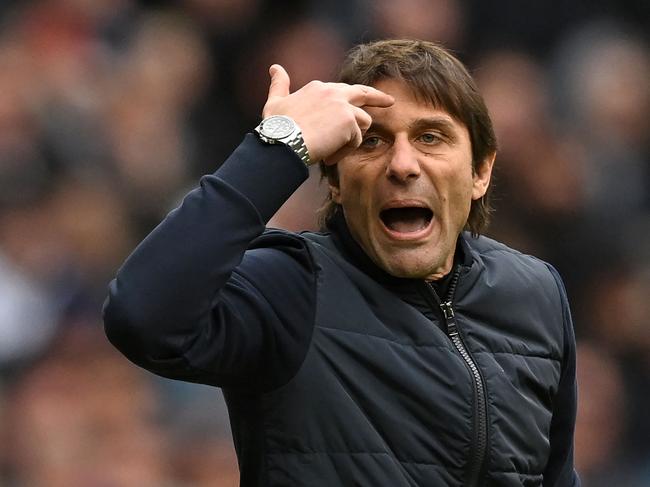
(336, 373)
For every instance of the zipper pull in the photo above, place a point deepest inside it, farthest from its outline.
(447, 310)
(448, 313)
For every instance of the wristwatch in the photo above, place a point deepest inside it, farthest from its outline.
(280, 129)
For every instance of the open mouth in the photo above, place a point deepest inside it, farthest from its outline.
(409, 219)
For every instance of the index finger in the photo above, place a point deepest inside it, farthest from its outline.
(367, 96)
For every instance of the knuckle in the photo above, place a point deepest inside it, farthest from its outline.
(349, 117)
(313, 85)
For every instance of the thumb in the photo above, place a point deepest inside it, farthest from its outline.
(279, 81)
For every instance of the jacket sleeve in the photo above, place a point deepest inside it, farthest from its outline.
(191, 303)
(560, 470)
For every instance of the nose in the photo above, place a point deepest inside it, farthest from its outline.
(403, 164)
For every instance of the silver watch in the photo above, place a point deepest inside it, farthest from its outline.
(280, 129)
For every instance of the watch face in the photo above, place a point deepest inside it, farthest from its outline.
(277, 127)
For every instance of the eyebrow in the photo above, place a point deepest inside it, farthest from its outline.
(440, 123)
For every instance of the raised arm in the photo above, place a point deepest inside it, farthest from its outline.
(190, 302)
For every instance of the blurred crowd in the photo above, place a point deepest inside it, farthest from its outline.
(110, 110)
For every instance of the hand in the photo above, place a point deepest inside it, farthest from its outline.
(330, 115)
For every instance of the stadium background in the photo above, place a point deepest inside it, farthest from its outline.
(111, 109)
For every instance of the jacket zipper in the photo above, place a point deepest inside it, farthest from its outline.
(480, 405)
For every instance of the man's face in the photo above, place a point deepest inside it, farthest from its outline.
(406, 191)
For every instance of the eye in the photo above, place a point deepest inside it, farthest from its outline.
(371, 142)
(430, 138)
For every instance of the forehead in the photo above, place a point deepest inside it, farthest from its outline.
(408, 108)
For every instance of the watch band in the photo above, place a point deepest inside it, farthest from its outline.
(297, 144)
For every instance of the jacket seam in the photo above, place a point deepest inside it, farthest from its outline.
(519, 354)
(369, 335)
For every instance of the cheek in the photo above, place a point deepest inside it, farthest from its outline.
(353, 200)
(355, 185)
(462, 198)
(356, 198)
(457, 193)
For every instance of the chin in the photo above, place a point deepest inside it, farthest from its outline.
(412, 269)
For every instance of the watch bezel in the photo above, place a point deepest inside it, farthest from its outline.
(290, 124)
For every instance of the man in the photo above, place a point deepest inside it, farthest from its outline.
(393, 349)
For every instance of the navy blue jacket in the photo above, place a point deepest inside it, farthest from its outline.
(273, 317)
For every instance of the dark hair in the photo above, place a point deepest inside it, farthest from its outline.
(437, 78)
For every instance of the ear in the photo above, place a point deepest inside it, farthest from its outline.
(335, 189)
(482, 176)
(332, 175)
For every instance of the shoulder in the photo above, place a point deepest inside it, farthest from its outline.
(283, 254)
(517, 271)
(491, 253)
(483, 245)
(276, 251)
(521, 292)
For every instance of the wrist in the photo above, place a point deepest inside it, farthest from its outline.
(280, 129)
